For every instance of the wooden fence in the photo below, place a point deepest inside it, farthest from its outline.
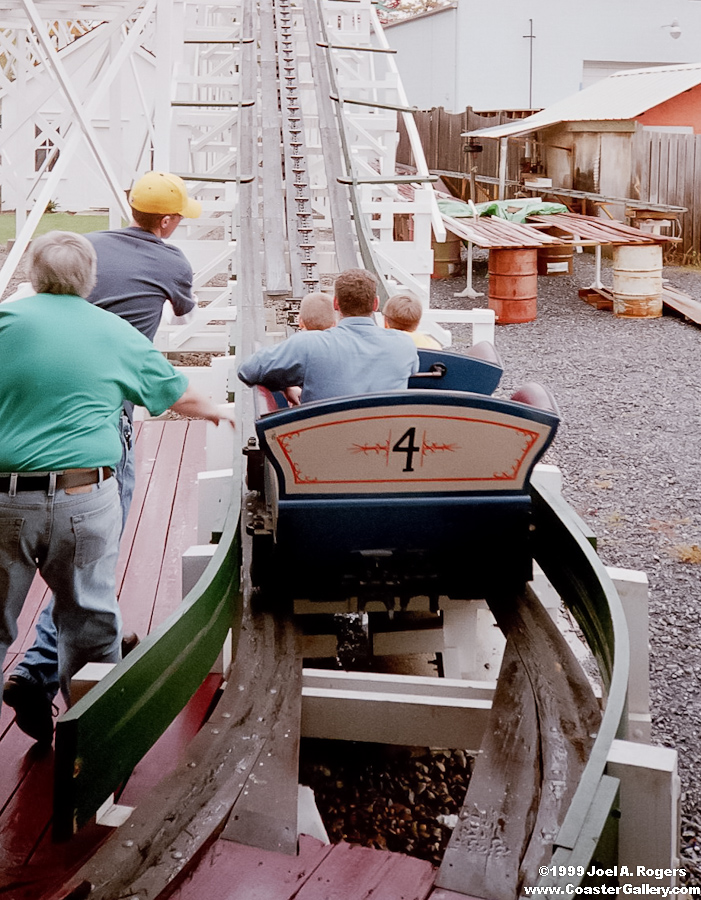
(665, 168)
(446, 149)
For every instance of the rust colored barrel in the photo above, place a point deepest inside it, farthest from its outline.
(513, 285)
(555, 260)
(446, 256)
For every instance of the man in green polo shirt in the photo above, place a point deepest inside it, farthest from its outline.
(67, 369)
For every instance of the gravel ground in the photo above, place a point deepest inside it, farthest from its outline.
(392, 798)
(628, 392)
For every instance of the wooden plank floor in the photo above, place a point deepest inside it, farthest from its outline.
(162, 524)
(229, 871)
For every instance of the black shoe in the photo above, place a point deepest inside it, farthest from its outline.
(129, 642)
(32, 708)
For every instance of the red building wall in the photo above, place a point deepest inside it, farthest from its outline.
(684, 109)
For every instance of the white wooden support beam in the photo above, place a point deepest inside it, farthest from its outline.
(86, 678)
(193, 563)
(214, 494)
(212, 380)
(222, 664)
(112, 814)
(214, 340)
(473, 643)
(309, 820)
(632, 588)
(395, 709)
(548, 476)
(224, 376)
(482, 321)
(649, 827)
(55, 64)
(162, 114)
(201, 378)
(219, 444)
(26, 225)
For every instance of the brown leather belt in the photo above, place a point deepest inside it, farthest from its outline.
(41, 481)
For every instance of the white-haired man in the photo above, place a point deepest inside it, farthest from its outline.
(68, 367)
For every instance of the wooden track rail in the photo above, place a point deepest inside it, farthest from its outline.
(576, 572)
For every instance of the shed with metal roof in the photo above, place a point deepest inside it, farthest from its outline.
(590, 144)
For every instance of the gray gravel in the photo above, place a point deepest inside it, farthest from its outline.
(628, 447)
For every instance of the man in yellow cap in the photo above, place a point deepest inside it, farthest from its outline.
(137, 274)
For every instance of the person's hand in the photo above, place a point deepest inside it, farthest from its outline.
(293, 395)
(226, 414)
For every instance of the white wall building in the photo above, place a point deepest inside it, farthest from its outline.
(36, 119)
(480, 54)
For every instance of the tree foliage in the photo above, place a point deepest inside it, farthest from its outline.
(393, 10)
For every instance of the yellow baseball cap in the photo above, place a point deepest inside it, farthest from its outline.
(164, 194)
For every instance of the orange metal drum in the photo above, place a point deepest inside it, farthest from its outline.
(513, 285)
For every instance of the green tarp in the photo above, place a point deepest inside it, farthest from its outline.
(514, 210)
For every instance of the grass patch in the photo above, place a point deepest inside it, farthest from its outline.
(59, 221)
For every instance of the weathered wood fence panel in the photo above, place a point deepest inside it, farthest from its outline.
(446, 149)
(666, 168)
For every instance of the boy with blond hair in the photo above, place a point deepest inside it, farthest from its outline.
(316, 312)
(403, 313)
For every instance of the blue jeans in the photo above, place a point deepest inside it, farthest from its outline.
(73, 539)
(40, 663)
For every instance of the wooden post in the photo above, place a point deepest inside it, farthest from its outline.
(650, 818)
(503, 152)
(632, 587)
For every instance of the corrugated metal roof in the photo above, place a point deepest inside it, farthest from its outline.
(623, 95)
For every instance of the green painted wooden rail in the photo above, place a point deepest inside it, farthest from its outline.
(102, 737)
(574, 569)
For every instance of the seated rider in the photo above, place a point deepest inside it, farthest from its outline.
(316, 312)
(403, 312)
(355, 357)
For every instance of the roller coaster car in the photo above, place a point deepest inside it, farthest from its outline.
(423, 492)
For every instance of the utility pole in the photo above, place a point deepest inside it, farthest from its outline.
(531, 38)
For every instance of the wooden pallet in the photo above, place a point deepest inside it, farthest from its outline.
(599, 298)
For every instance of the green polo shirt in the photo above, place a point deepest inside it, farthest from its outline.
(66, 368)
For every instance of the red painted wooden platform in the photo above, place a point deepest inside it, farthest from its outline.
(162, 524)
(229, 871)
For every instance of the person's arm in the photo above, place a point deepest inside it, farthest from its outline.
(293, 395)
(182, 299)
(280, 366)
(169, 317)
(196, 405)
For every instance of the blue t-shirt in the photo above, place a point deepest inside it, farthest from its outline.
(66, 369)
(354, 357)
(137, 273)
